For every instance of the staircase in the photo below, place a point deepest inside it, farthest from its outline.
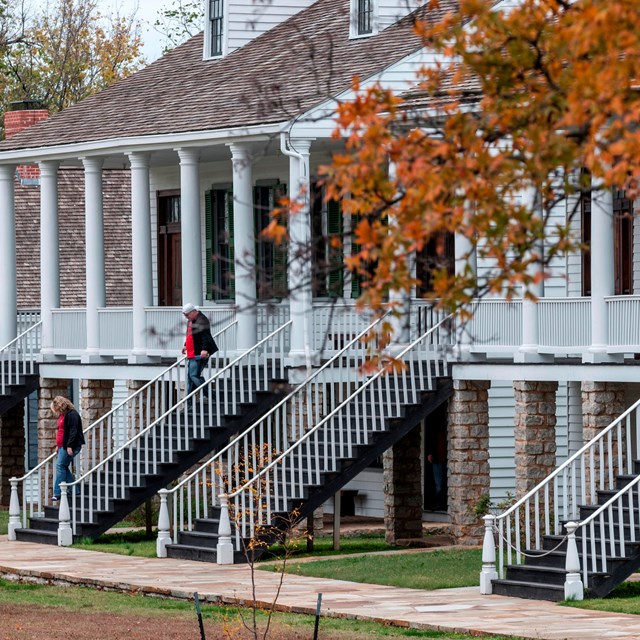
(306, 448)
(18, 368)
(169, 433)
(597, 489)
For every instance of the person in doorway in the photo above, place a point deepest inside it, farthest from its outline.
(199, 345)
(437, 457)
(69, 441)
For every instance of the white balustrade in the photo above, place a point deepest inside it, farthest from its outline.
(69, 331)
(495, 323)
(116, 331)
(624, 329)
(18, 358)
(564, 322)
(26, 319)
(574, 484)
(179, 421)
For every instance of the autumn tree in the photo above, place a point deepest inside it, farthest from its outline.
(178, 21)
(64, 52)
(531, 107)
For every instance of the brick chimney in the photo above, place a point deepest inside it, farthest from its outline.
(21, 115)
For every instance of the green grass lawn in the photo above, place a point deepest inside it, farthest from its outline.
(127, 543)
(88, 600)
(4, 521)
(439, 569)
(623, 599)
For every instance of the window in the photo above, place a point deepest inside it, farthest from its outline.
(328, 254)
(438, 253)
(219, 244)
(216, 23)
(622, 243)
(364, 17)
(271, 259)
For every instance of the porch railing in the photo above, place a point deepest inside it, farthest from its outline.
(564, 322)
(197, 494)
(18, 358)
(189, 417)
(556, 500)
(270, 482)
(26, 318)
(123, 422)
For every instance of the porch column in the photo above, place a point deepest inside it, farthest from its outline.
(141, 249)
(190, 226)
(602, 270)
(465, 255)
(94, 261)
(528, 350)
(300, 265)
(8, 266)
(49, 252)
(244, 246)
(400, 299)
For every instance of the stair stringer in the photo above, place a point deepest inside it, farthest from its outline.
(172, 471)
(18, 392)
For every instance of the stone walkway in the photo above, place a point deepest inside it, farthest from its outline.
(461, 610)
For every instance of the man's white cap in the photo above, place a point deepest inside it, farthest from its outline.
(188, 308)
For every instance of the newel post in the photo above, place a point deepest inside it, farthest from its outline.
(224, 550)
(14, 509)
(488, 573)
(573, 587)
(164, 526)
(65, 533)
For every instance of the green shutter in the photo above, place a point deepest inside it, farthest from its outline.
(335, 279)
(356, 279)
(208, 230)
(280, 252)
(230, 265)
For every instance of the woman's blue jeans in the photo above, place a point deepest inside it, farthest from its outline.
(63, 471)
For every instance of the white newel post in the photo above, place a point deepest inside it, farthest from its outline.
(602, 269)
(488, 573)
(65, 533)
(8, 266)
(244, 246)
(49, 252)
(141, 249)
(302, 351)
(224, 550)
(14, 509)
(191, 239)
(164, 526)
(94, 261)
(573, 587)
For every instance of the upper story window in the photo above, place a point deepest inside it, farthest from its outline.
(216, 21)
(363, 14)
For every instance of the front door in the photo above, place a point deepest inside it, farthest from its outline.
(169, 250)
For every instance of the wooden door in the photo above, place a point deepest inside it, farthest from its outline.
(169, 249)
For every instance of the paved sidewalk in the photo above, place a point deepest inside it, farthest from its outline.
(461, 610)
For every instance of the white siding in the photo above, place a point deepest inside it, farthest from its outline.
(246, 20)
(574, 417)
(390, 11)
(574, 260)
(370, 499)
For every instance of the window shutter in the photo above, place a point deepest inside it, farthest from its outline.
(280, 251)
(208, 230)
(356, 278)
(230, 266)
(335, 279)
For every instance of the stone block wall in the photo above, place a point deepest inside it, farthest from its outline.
(96, 400)
(535, 433)
(469, 474)
(402, 482)
(11, 450)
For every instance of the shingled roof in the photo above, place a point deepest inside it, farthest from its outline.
(282, 73)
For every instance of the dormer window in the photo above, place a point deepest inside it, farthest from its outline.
(216, 21)
(364, 17)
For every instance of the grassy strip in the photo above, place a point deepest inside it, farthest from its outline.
(127, 543)
(90, 600)
(623, 599)
(4, 522)
(439, 569)
(323, 546)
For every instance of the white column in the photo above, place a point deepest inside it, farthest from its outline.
(49, 253)
(401, 299)
(465, 254)
(94, 262)
(530, 331)
(141, 249)
(191, 239)
(602, 268)
(302, 350)
(8, 267)
(244, 246)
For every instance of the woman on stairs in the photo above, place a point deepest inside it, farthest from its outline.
(69, 441)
